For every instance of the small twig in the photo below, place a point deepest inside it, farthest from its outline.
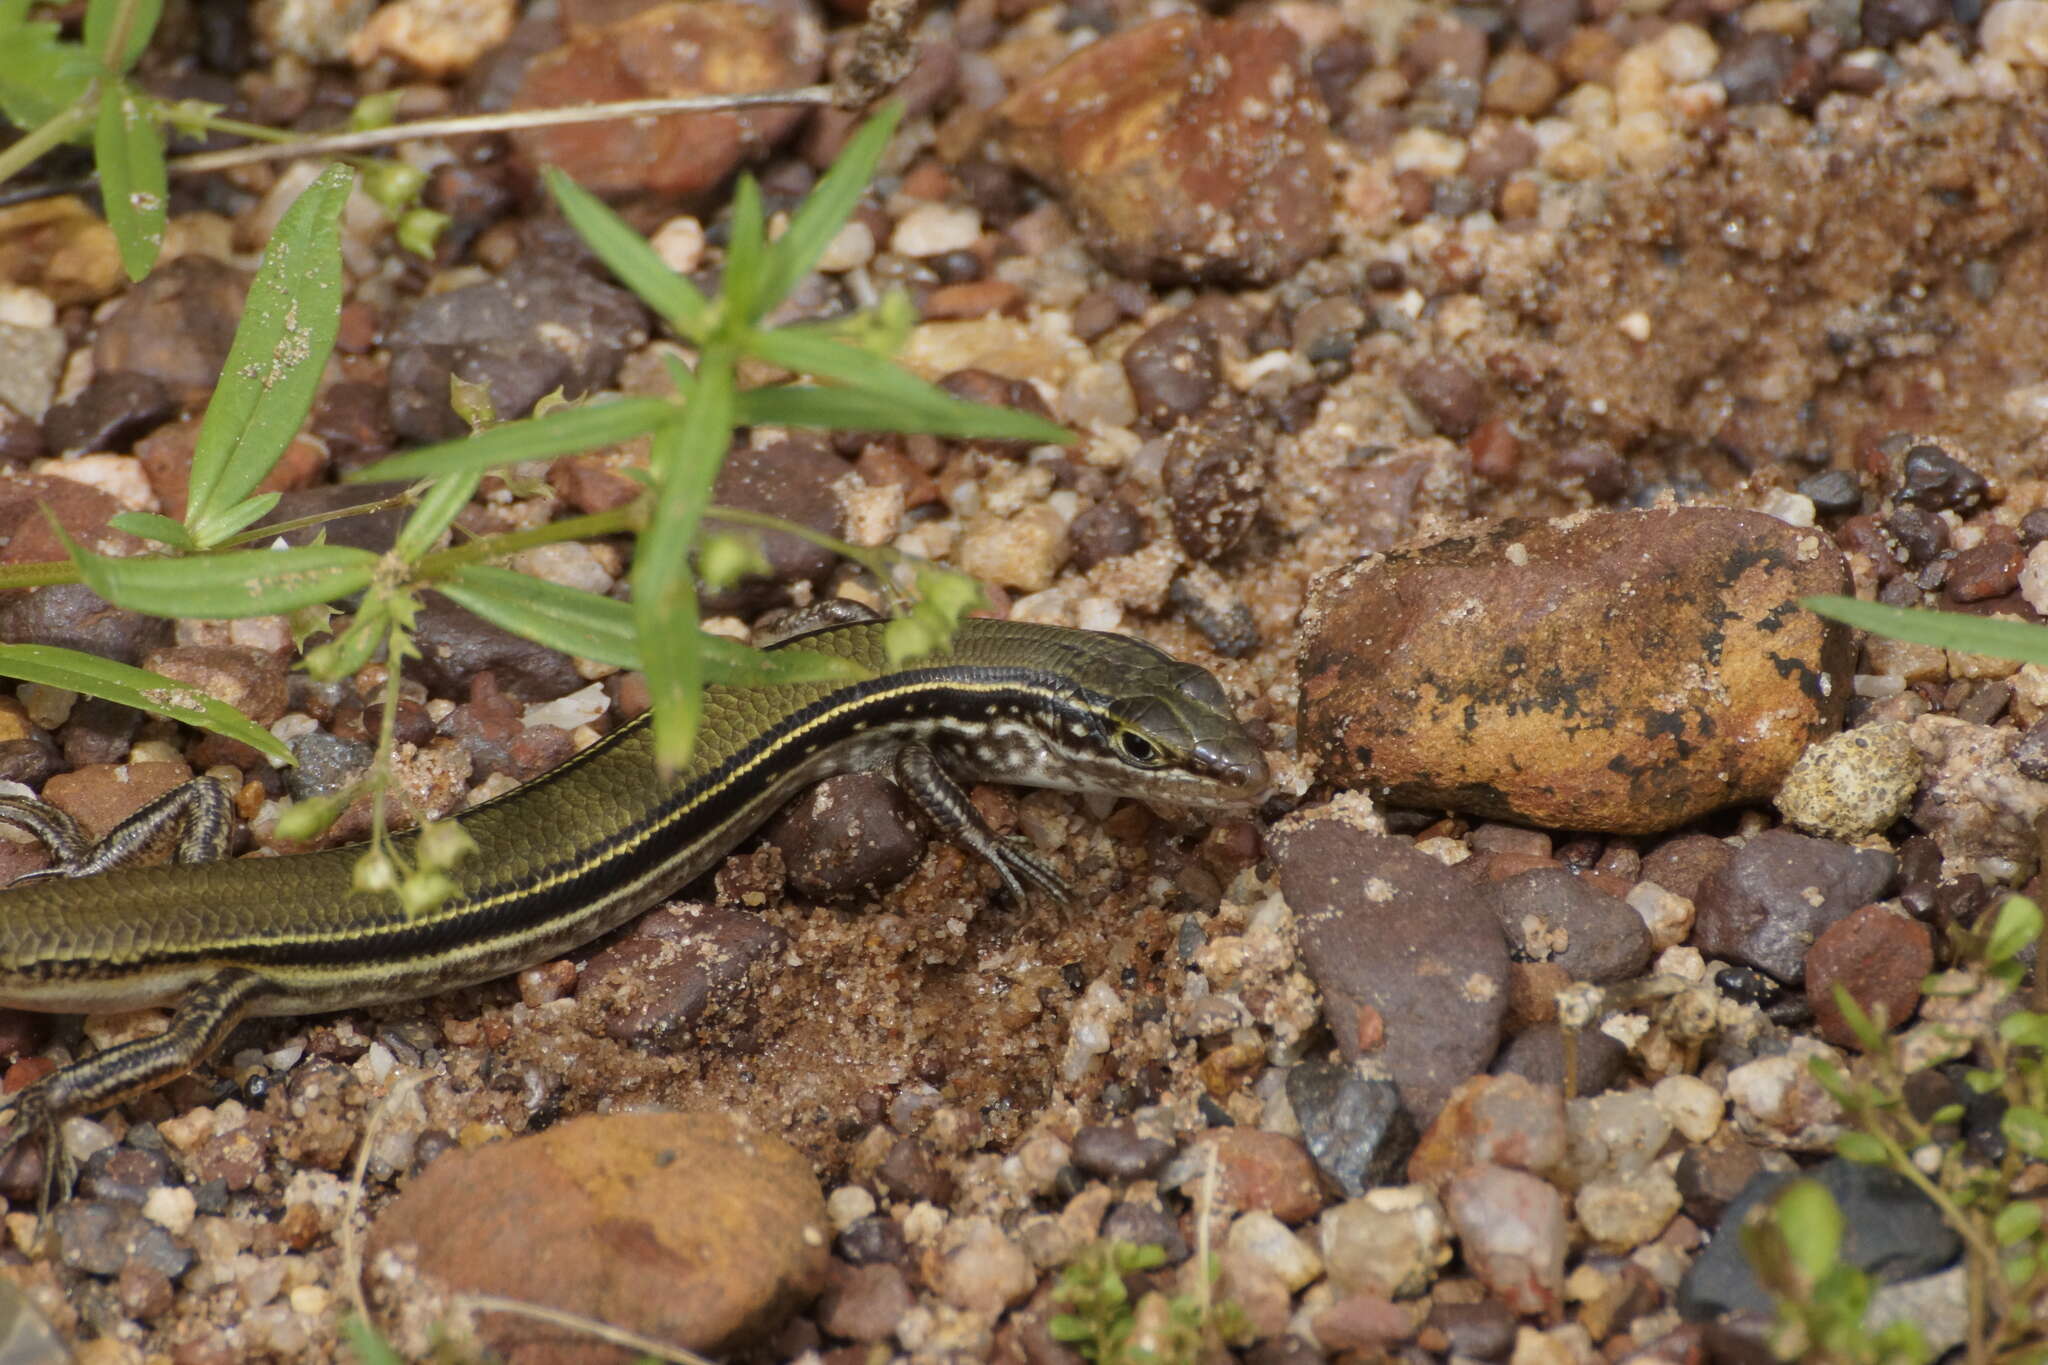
(351, 1253)
(470, 125)
(576, 1322)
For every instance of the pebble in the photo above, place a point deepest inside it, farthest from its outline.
(1449, 396)
(1890, 1230)
(1666, 915)
(541, 326)
(1711, 1176)
(1974, 801)
(1493, 1120)
(1389, 1241)
(1185, 148)
(113, 409)
(1023, 552)
(1693, 1106)
(792, 478)
(975, 1267)
(456, 645)
(696, 1229)
(678, 968)
(1269, 1172)
(1368, 1324)
(250, 680)
(1766, 907)
(1355, 1127)
(1852, 785)
(847, 837)
(1621, 1213)
(1612, 1135)
(437, 38)
(935, 229)
(102, 795)
(1879, 957)
(1550, 914)
(864, 1302)
(1265, 1239)
(1429, 672)
(1511, 1229)
(2016, 32)
(1777, 1102)
(175, 327)
(31, 361)
(1215, 480)
(720, 47)
(1411, 964)
(1119, 1153)
(1173, 367)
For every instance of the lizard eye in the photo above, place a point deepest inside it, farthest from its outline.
(1137, 748)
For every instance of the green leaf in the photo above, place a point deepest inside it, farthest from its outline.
(2028, 644)
(41, 75)
(280, 348)
(150, 526)
(1948, 1113)
(2025, 1029)
(349, 651)
(628, 256)
(136, 20)
(232, 521)
(1067, 1327)
(918, 406)
(128, 149)
(826, 208)
(569, 619)
(1861, 1148)
(2019, 923)
(228, 584)
(2027, 1129)
(145, 691)
(565, 431)
(1860, 1023)
(745, 247)
(369, 1348)
(1812, 1226)
(443, 502)
(2016, 1222)
(685, 462)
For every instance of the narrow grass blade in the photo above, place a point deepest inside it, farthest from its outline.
(565, 431)
(229, 583)
(826, 208)
(436, 512)
(628, 256)
(137, 687)
(128, 149)
(746, 248)
(2002, 639)
(687, 455)
(280, 348)
(569, 619)
(919, 406)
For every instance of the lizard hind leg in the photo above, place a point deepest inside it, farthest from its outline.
(193, 823)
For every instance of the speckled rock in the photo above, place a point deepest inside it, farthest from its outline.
(1187, 148)
(696, 1229)
(1974, 801)
(1618, 671)
(1411, 963)
(1852, 784)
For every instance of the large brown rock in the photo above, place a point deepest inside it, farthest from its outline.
(1187, 148)
(695, 1229)
(1619, 671)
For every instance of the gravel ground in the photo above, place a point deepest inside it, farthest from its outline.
(1471, 388)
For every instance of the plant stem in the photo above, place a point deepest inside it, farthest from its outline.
(41, 139)
(589, 526)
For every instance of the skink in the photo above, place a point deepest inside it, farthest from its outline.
(582, 849)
